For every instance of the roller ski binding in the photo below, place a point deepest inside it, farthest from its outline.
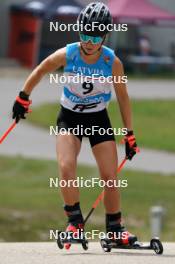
(74, 234)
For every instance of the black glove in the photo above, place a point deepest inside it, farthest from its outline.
(21, 106)
(130, 145)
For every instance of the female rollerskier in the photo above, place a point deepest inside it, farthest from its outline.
(84, 104)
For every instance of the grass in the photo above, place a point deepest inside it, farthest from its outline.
(154, 121)
(29, 208)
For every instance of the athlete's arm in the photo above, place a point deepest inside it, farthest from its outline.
(122, 94)
(125, 108)
(50, 64)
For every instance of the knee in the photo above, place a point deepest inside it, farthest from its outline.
(67, 169)
(110, 181)
(108, 175)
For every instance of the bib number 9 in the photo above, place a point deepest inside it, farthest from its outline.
(88, 87)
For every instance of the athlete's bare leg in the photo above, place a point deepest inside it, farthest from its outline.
(68, 147)
(106, 156)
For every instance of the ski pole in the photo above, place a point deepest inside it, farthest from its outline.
(8, 131)
(101, 195)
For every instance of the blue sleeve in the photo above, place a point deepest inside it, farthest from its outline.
(71, 50)
(109, 53)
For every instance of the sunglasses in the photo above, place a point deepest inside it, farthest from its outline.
(94, 40)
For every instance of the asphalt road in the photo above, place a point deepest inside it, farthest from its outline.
(48, 253)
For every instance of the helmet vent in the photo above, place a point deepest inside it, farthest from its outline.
(95, 12)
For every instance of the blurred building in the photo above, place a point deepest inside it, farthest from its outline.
(157, 34)
(162, 38)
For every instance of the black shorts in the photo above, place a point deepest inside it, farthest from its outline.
(96, 126)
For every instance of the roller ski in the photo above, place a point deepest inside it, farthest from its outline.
(130, 242)
(118, 237)
(72, 235)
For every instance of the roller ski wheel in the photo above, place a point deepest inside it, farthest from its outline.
(156, 245)
(60, 244)
(85, 245)
(105, 244)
